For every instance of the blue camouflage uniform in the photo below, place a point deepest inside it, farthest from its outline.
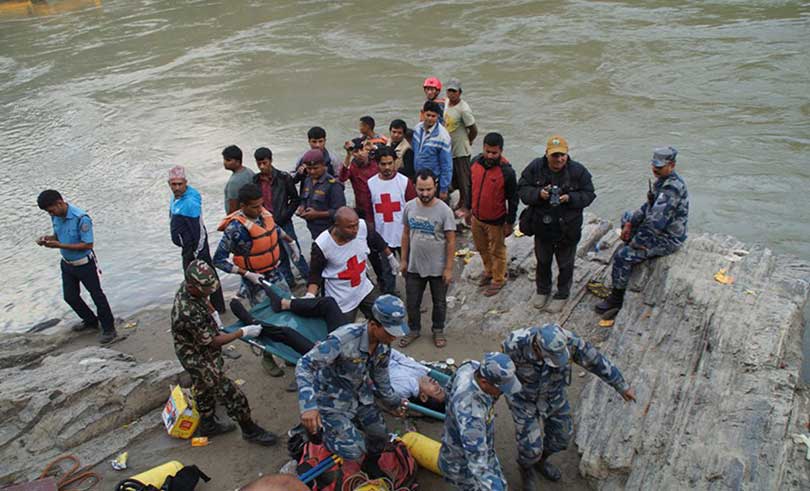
(340, 378)
(323, 194)
(542, 403)
(467, 456)
(658, 227)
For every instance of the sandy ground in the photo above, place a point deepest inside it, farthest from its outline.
(231, 462)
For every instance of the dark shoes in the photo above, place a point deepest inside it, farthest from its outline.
(107, 337)
(254, 433)
(293, 387)
(548, 470)
(270, 366)
(212, 427)
(84, 326)
(614, 301)
(529, 478)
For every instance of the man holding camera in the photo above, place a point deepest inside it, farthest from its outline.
(556, 190)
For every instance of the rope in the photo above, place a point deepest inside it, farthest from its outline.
(72, 476)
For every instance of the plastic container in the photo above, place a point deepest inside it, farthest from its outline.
(424, 450)
(156, 476)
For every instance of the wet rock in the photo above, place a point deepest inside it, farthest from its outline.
(91, 402)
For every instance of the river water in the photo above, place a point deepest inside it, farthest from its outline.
(100, 98)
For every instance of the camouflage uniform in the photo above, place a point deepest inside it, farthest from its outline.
(340, 378)
(542, 405)
(193, 330)
(659, 227)
(467, 456)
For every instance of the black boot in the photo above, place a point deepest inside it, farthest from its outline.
(210, 426)
(613, 301)
(275, 300)
(547, 469)
(371, 467)
(256, 434)
(529, 478)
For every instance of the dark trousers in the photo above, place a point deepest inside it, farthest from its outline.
(87, 275)
(321, 307)
(414, 290)
(565, 252)
(365, 307)
(386, 279)
(285, 267)
(462, 179)
(217, 298)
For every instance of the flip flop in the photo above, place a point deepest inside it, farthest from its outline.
(493, 289)
(484, 281)
(410, 338)
(439, 340)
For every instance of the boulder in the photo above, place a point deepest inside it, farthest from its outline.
(73, 402)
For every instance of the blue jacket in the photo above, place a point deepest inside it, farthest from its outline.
(432, 150)
(186, 223)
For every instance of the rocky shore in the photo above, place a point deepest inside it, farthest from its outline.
(715, 367)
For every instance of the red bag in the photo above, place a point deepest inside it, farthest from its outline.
(396, 461)
(332, 479)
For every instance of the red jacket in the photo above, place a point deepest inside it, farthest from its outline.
(494, 192)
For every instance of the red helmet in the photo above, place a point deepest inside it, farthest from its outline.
(433, 82)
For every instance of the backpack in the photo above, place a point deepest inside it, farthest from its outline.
(396, 461)
(331, 480)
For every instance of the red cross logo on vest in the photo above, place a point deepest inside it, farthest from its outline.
(353, 272)
(387, 207)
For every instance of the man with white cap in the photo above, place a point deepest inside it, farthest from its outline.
(187, 226)
(540, 410)
(656, 229)
(339, 378)
(467, 456)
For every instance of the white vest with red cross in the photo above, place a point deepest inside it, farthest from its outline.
(345, 277)
(388, 201)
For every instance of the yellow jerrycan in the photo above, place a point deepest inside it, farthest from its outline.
(157, 475)
(424, 450)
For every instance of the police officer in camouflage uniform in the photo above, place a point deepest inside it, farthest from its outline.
(540, 410)
(197, 343)
(656, 229)
(339, 378)
(467, 456)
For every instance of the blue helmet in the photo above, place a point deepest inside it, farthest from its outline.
(498, 369)
(553, 342)
(663, 155)
(389, 311)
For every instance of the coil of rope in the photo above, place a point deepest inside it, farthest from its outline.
(74, 475)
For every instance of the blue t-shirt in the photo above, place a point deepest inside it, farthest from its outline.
(76, 227)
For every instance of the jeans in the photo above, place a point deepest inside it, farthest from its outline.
(301, 265)
(87, 274)
(565, 251)
(414, 290)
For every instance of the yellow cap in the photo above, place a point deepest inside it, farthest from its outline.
(556, 144)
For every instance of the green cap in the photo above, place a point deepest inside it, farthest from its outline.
(202, 276)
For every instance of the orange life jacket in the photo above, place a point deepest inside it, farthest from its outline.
(264, 251)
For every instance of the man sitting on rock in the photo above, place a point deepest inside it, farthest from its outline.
(198, 345)
(656, 229)
(540, 410)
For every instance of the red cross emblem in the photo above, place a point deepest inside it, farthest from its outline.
(353, 272)
(387, 207)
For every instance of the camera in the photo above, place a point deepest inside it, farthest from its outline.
(554, 196)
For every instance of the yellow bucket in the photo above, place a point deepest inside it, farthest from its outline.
(156, 476)
(424, 450)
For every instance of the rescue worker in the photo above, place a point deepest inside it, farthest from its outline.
(73, 236)
(467, 457)
(252, 236)
(656, 229)
(321, 194)
(187, 226)
(432, 87)
(198, 345)
(541, 412)
(339, 378)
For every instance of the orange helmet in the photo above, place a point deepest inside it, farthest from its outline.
(433, 82)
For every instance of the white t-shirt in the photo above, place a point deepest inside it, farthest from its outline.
(388, 202)
(345, 277)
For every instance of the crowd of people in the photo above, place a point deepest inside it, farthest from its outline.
(401, 223)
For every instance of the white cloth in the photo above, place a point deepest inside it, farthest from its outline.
(387, 202)
(345, 277)
(405, 373)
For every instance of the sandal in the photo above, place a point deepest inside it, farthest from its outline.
(439, 340)
(410, 338)
(493, 289)
(484, 281)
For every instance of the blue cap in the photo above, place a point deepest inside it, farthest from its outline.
(663, 155)
(553, 342)
(498, 369)
(389, 311)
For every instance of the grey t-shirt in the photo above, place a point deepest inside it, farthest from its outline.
(235, 183)
(427, 253)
